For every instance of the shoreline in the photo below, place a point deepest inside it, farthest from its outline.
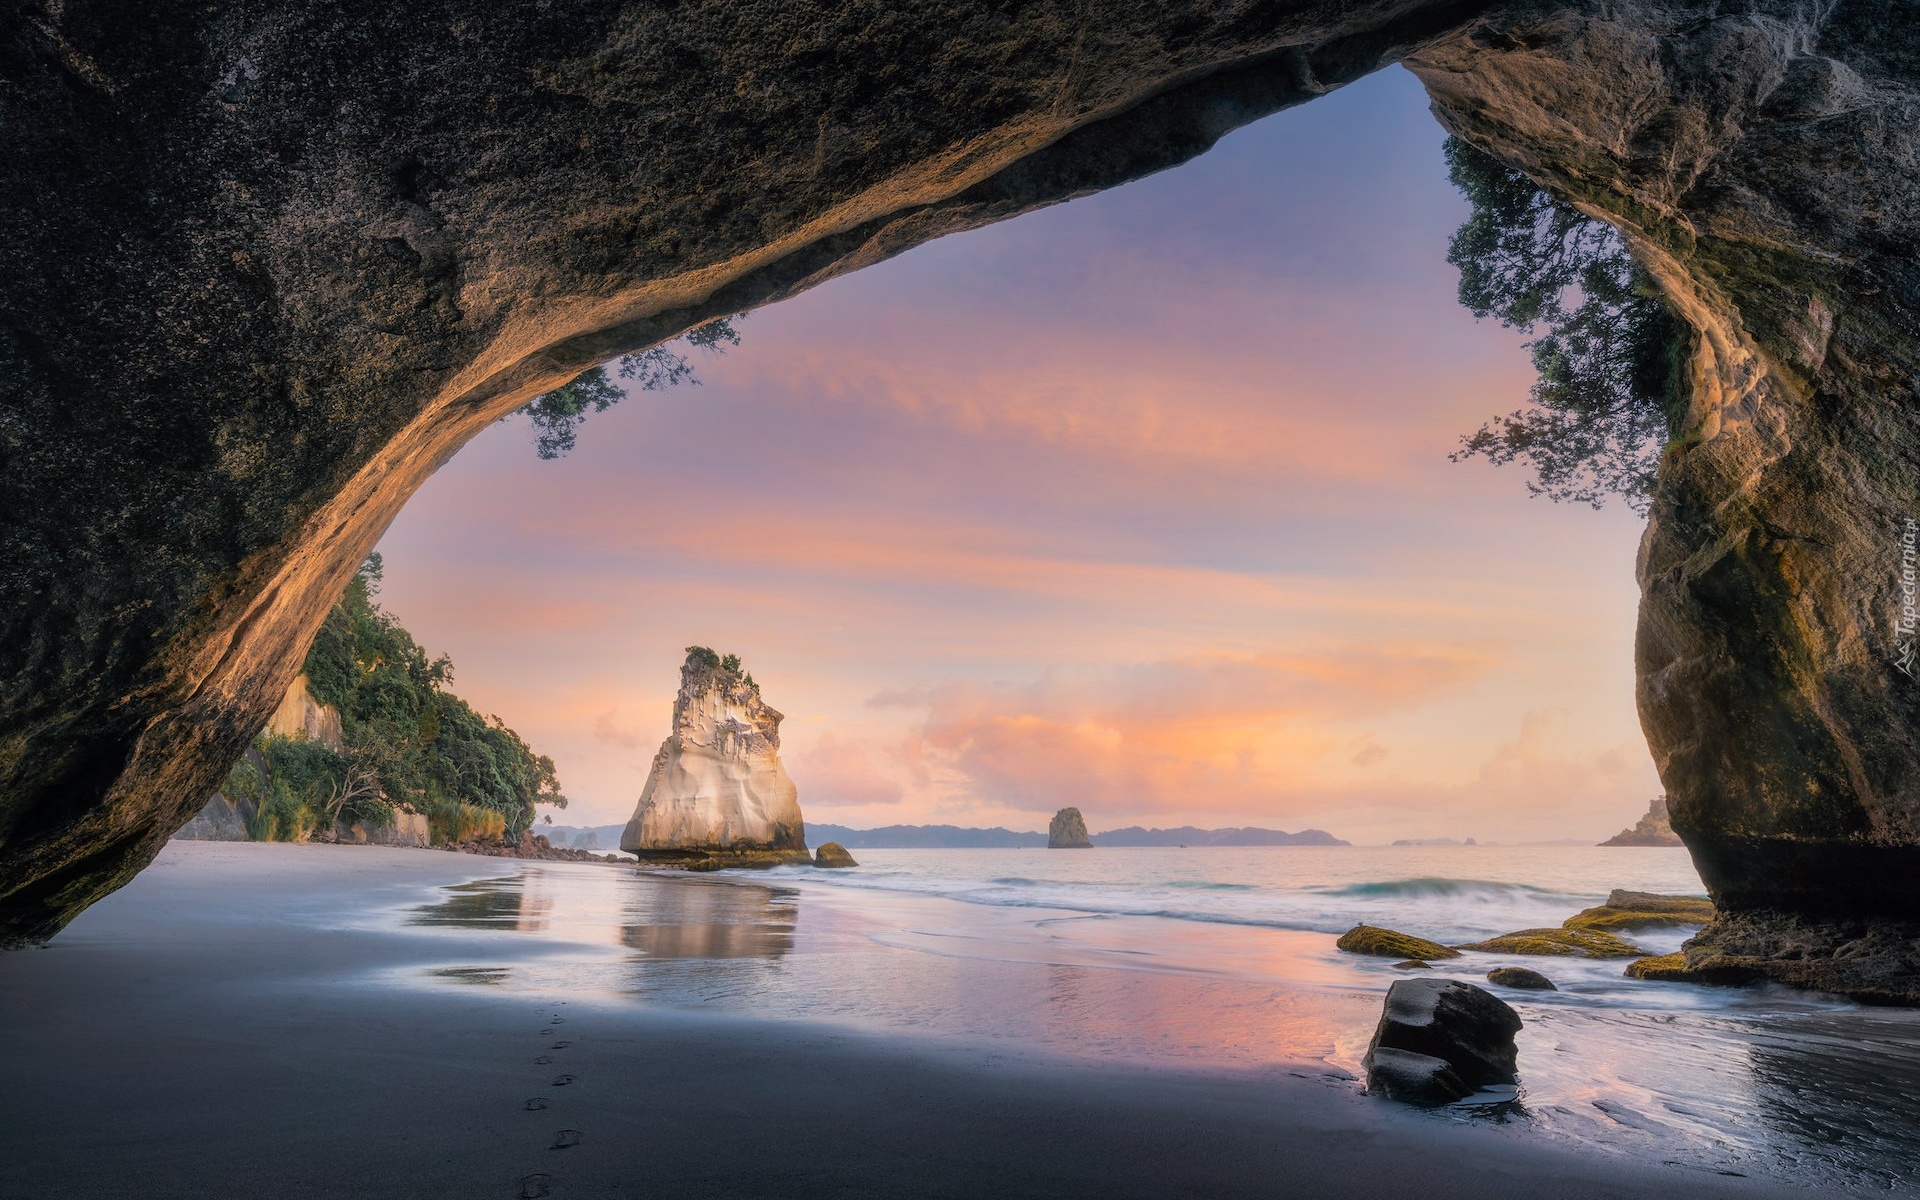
(230, 1024)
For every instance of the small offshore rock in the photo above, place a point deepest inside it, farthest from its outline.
(1413, 964)
(834, 855)
(1561, 943)
(1068, 831)
(1522, 978)
(1413, 1078)
(1465, 1028)
(1388, 943)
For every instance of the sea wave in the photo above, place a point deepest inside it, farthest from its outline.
(1436, 886)
(1447, 908)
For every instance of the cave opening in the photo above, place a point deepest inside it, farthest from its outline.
(1139, 503)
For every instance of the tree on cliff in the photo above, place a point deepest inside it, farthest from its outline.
(425, 746)
(1610, 354)
(556, 415)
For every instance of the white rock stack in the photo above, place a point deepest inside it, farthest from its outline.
(717, 794)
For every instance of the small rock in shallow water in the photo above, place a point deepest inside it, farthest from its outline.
(1521, 977)
(833, 854)
(1413, 1078)
(1413, 964)
(1466, 1028)
(1386, 943)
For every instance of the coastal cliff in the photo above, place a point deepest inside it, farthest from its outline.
(310, 255)
(717, 792)
(1654, 829)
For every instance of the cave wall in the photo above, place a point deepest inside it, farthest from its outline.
(264, 267)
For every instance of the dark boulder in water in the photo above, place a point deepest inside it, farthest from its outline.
(1466, 1028)
(833, 854)
(1413, 1078)
(1522, 978)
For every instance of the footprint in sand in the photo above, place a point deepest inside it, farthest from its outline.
(548, 1032)
(566, 1139)
(543, 1060)
(559, 1045)
(536, 1103)
(562, 1080)
(535, 1186)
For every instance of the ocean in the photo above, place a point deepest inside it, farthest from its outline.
(1224, 959)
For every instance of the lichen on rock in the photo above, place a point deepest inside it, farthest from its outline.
(1387, 943)
(1559, 943)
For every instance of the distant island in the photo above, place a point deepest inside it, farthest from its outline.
(953, 837)
(1187, 835)
(1654, 829)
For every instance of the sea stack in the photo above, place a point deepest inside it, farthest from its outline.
(1654, 829)
(717, 795)
(1068, 831)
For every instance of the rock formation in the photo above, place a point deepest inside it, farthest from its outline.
(833, 855)
(1522, 978)
(266, 268)
(1068, 831)
(1439, 1039)
(717, 794)
(1654, 829)
(1388, 943)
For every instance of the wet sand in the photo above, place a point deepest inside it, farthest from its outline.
(235, 1023)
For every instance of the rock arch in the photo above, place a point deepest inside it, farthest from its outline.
(263, 268)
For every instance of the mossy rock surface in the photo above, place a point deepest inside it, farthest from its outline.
(1386, 943)
(1643, 910)
(1714, 969)
(1661, 967)
(1413, 964)
(1559, 943)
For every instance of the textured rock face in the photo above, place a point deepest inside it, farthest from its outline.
(263, 267)
(1436, 1035)
(1068, 831)
(717, 785)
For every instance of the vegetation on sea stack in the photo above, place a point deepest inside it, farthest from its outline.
(408, 741)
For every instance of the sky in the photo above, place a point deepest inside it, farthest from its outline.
(1139, 503)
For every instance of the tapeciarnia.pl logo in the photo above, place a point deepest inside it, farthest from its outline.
(1905, 625)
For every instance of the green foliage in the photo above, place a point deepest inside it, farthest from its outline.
(1610, 356)
(705, 656)
(557, 415)
(426, 747)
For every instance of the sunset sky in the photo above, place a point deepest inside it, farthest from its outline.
(1139, 503)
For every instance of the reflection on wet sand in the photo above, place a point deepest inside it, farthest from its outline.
(1745, 1081)
(514, 902)
(705, 920)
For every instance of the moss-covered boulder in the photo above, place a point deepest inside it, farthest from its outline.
(1559, 943)
(1674, 968)
(1625, 910)
(1386, 943)
(1413, 964)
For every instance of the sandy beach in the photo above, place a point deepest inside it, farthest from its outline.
(271, 1020)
